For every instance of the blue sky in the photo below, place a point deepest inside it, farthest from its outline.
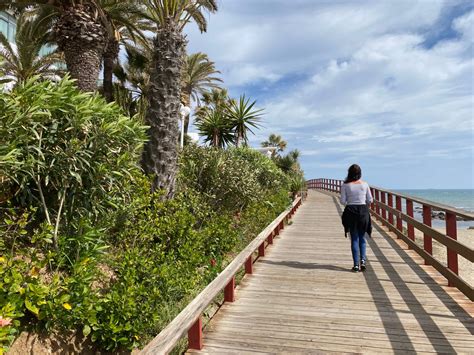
(385, 84)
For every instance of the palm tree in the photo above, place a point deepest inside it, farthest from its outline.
(216, 128)
(161, 151)
(243, 118)
(134, 78)
(127, 22)
(289, 163)
(134, 73)
(81, 29)
(275, 141)
(215, 100)
(198, 78)
(23, 62)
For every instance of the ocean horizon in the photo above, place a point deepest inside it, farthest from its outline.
(459, 198)
(462, 199)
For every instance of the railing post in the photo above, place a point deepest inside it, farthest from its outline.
(399, 218)
(195, 335)
(270, 238)
(377, 198)
(390, 203)
(451, 232)
(261, 249)
(249, 265)
(427, 242)
(410, 228)
(229, 295)
(384, 212)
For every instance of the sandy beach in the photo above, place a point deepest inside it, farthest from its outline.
(466, 237)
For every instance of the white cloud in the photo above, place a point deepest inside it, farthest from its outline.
(361, 80)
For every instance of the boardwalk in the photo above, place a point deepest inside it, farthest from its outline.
(303, 298)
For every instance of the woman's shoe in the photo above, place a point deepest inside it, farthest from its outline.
(355, 269)
(362, 265)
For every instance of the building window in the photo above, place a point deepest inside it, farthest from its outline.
(8, 26)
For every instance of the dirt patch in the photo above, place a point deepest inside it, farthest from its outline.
(46, 344)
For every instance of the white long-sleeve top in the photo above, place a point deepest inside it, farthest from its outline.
(356, 193)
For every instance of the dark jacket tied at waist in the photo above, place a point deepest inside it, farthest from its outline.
(357, 217)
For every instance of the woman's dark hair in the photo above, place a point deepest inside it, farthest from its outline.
(353, 174)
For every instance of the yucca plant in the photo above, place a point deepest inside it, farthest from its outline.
(243, 117)
(216, 128)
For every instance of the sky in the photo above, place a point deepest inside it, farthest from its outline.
(386, 84)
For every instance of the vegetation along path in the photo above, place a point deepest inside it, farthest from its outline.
(303, 297)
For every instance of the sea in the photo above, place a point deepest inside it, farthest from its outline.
(462, 199)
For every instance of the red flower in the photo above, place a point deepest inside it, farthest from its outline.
(213, 262)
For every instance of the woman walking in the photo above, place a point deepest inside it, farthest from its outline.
(356, 196)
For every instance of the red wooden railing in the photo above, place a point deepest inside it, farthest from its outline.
(394, 218)
(190, 320)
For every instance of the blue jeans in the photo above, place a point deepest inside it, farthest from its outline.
(358, 246)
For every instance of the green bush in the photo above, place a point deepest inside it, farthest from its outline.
(229, 180)
(69, 154)
(125, 262)
(161, 257)
(269, 176)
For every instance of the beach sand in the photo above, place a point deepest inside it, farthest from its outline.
(466, 237)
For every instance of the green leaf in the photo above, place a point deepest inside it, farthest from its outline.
(31, 307)
(86, 330)
(77, 176)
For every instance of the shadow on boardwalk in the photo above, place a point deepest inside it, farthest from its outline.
(425, 319)
(307, 266)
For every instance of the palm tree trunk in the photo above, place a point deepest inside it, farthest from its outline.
(110, 58)
(82, 37)
(160, 154)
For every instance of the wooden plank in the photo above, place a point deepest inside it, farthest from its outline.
(329, 325)
(353, 335)
(315, 340)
